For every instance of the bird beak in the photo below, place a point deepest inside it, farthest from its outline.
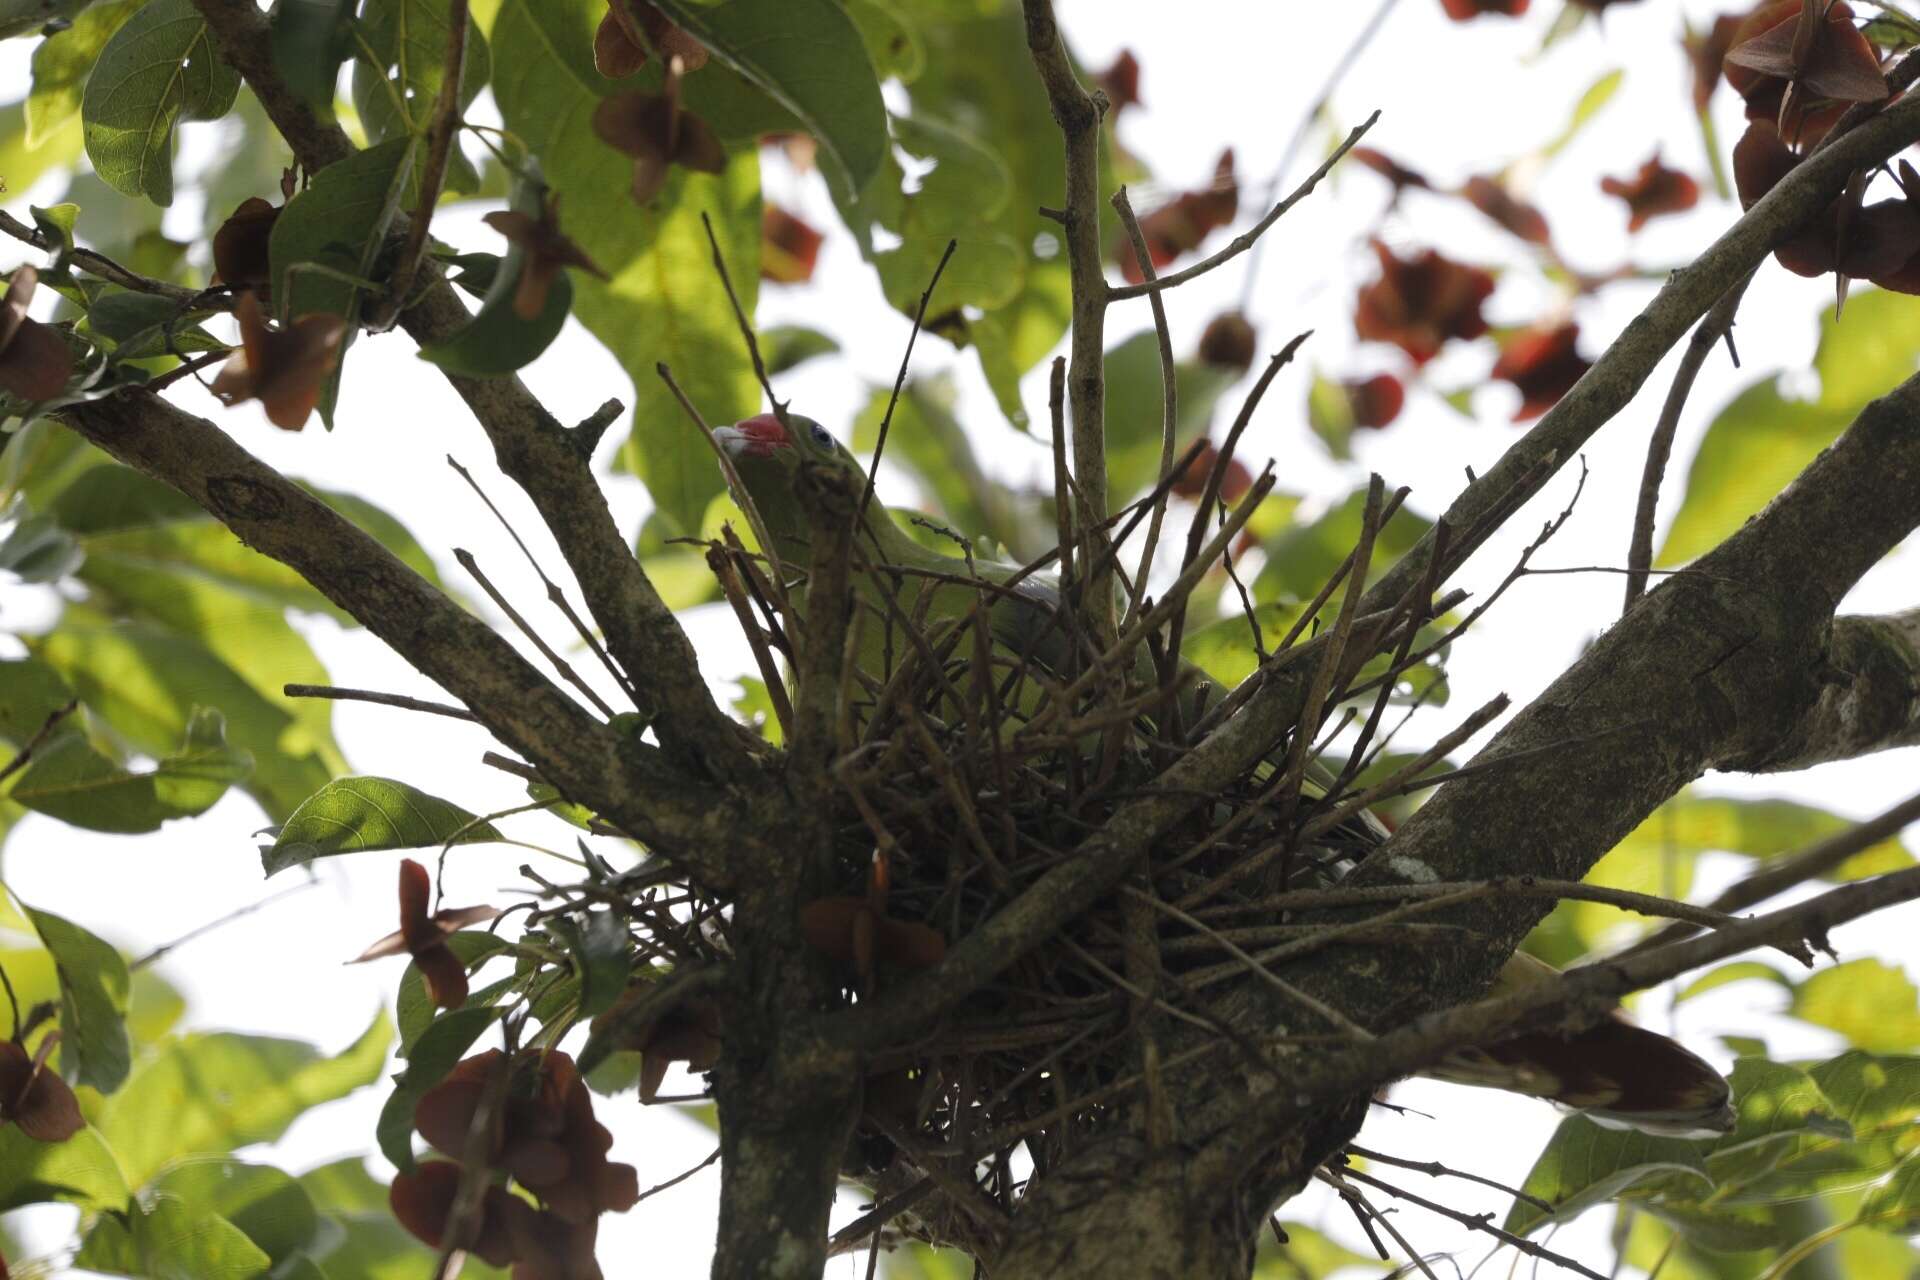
(752, 438)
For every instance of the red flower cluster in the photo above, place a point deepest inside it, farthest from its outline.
(1653, 191)
(1419, 303)
(859, 932)
(1180, 226)
(545, 1138)
(285, 369)
(1463, 10)
(424, 937)
(1800, 64)
(688, 1032)
(629, 28)
(240, 256)
(1543, 364)
(1878, 242)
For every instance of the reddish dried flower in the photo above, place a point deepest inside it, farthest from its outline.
(1376, 401)
(628, 28)
(1873, 241)
(789, 247)
(858, 931)
(1228, 341)
(35, 1098)
(1180, 226)
(1192, 482)
(658, 134)
(284, 369)
(687, 1032)
(547, 249)
(1463, 10)
(1392, 170)
(1653, 191)
(1516, 215)
(1543, 364)
(1419, 303)
(550, 1247)
(424, 937)
(1707, 51)
(1800, 66)
(34, 360)
(422, 1202)
(1121, 83)
(545, 1136)
(240, 255)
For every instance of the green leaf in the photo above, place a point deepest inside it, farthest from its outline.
(148, 681)
(413, 1007)
(1894, 1205)
(1307, 1255)
(81, 1171)
(160, 67)
(1134, 412)
(38, 550)
(398, 70)
(94, 1049)
(311, 38)
(664, 302)
(498, 341)
(267, 1205)
(139, 326)
(1872, 1003)
(363, 815)
(434, 1054)
(1300, 558)
(167, 1239)
(1597, 95)
(72, 781)
(1762, 439)
(893, 41)
(808, 56)
(338, 224)
(219, 1092)
(1738, 971)
(1584, 1165)
(787, 346)
(24, 162)
(62, 62)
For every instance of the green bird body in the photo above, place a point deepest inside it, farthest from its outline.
(1617, 1073)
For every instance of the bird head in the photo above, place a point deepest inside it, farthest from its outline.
(768, 461)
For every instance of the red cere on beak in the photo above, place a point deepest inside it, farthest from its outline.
(759, 437)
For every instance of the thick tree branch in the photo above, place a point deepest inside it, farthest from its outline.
(531, 447)
(628, 783)
(1871, 701)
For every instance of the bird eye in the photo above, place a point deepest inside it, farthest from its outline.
(822, 437)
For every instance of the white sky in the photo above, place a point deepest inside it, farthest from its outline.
(1457, 100)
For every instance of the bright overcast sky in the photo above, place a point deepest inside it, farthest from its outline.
(1456, 100)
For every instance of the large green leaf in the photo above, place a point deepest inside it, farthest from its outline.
(1763, 439)
(363, 815)
(664, 301)
(94, 1048)
(1584, 1165)
(69, 779)
(81, 1171)
(273, 1210)
(147, 681)
(159, 68)
(63, 61)
(401, 61)
(433, 1055)
(165, 1238)
(220, 1092)
(1872, 1003)
(808, 56)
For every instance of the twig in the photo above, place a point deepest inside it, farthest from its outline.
(679, 1178)
(560, 664)
(1717, 324)
(101, 265)
(554, 594)
(1782, 874)
(1434, 1169)
(188, 369)
(1169, 390)
(159, 952)
(1358, 1203)
(1241, 243)
(38, 739)
(383, 699)
(900, 380)
(440, 135)
(1477, 1221)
